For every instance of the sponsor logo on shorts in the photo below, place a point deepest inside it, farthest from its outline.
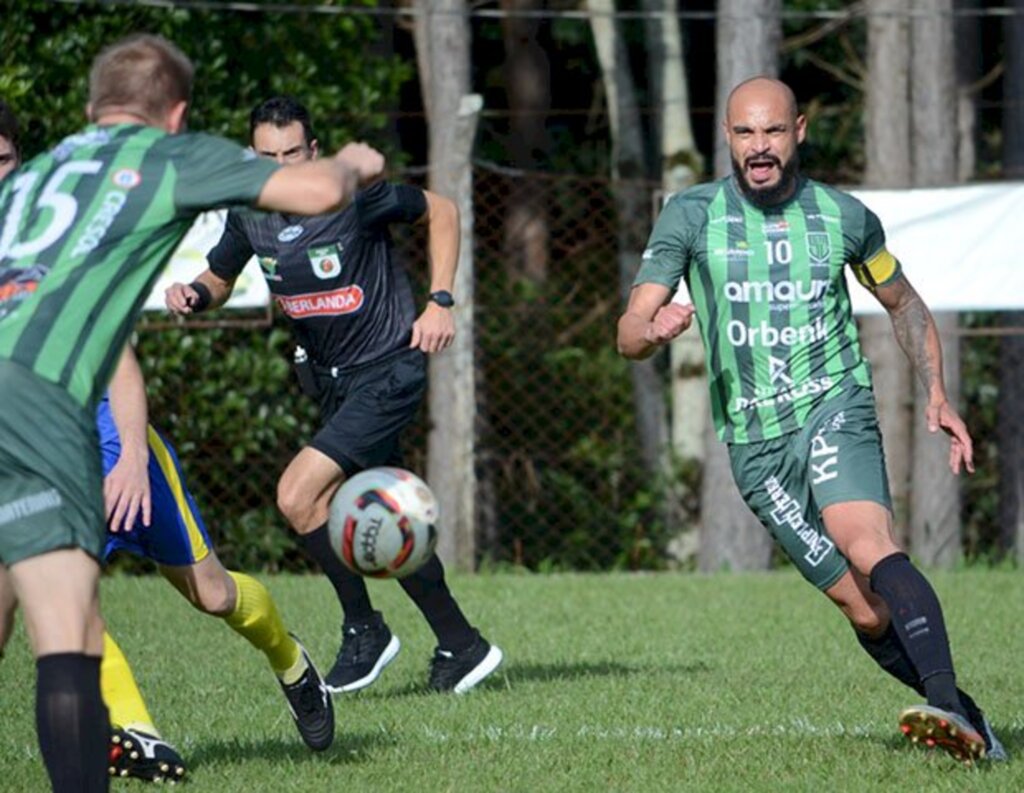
(346, 300)
(789, 513)
(289, 233)
(825, 456)
(29, 505)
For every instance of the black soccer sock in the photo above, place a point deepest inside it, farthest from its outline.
(350, 588)
(887, 651)
(72, 722)
(429, 592)
(918, 622)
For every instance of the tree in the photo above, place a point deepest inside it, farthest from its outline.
(442, 50)
(887, 154)
(528, 87)
(748, 37)
(633, 211)
(1010, 416)
(935, 526)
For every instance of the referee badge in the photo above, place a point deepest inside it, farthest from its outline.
(326, 261)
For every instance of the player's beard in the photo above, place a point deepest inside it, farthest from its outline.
(766, 197)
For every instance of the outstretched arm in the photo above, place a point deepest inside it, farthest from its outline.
(650, 321)
(434, 329)
(126, 491)
(917, 335)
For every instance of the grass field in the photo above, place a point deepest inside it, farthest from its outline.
(611, 683)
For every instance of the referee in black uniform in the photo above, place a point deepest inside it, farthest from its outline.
(353, 313)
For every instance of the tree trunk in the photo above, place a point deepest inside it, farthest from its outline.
(528, 87)
(1013, 95)
(680, 164)
(632, 205)
(967, 34)
(1010, 418)
(748, 37)
(935, 527)
(747, 40)
(887, 151)
(442, 48)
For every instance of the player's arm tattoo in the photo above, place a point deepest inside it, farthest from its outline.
(916, 333)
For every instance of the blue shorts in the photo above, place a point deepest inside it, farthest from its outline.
(176, 534)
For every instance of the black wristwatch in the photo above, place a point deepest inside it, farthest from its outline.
(443, 298)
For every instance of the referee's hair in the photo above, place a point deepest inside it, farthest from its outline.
(281, 111)
(142, 74)
(9, 128)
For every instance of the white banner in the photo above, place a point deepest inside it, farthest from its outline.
(189, 260)
(959, 246)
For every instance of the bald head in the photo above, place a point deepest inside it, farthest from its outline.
(762, 91)
(763, 129)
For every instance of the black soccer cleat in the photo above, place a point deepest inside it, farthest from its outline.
(138, 754)
(310, 704)
(366, 648)
(461, 671)
(943, 729)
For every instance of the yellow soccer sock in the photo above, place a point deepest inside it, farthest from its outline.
(256, 618)
(120, 692)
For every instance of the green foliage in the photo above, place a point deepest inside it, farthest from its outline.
(241, 59)
(231, 407)
(646, 683)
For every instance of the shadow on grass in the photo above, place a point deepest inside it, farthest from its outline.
(348, 748)
(509, 674)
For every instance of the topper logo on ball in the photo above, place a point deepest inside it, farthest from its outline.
(382, 523)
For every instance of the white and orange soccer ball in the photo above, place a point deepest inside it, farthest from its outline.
(383, 523)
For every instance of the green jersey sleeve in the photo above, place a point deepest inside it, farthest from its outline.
(668, 250)
(871, 261)
(214, 172)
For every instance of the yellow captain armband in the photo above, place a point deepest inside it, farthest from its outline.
(876, 270)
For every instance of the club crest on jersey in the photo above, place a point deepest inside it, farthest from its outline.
(126, 178)
(819, 247)
(326, 261)
(289, 233)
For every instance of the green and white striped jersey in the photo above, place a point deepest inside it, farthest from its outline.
(769, 288)
(87, 228)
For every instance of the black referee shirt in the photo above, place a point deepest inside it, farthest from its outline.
(333, 275)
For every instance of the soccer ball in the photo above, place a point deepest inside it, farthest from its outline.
(382, 523)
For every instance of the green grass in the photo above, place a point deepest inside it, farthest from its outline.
(657, 682)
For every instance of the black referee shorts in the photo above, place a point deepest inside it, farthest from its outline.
(365, 410)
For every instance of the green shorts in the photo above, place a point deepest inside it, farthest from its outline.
(787, 481)
(51, 478)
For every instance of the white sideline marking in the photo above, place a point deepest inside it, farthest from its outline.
(530, 733)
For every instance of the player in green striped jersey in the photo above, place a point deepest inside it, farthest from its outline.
(760, 258)
(86, 228)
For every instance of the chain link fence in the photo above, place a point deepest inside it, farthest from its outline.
(563, 482)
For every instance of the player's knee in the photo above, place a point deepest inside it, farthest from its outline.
(216, 598)
(296, 507)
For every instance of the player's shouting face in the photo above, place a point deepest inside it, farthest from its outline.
(763, 130)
